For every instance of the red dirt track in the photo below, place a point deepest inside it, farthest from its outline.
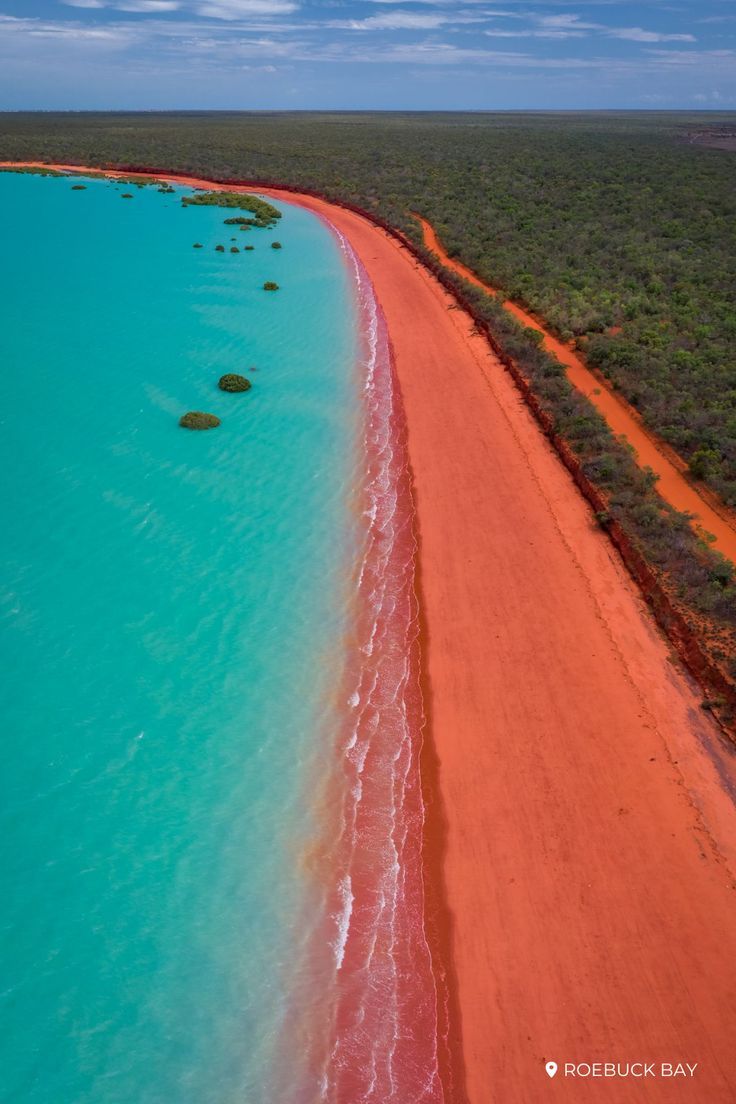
(585, 799)
(710, 515)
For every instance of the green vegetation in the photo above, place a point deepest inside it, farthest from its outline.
(270, 286)
(198, 419)
(691, 571)
(234, 383)
(136, 181)
(25, 170)
(704, 462)
(594, 221)
(265, 214)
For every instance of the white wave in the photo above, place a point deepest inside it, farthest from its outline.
(343, 919)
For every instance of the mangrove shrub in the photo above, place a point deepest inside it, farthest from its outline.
(198, 419)
(233, 382)
(264, 214)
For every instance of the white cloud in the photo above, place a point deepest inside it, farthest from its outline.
(393, 21)
(711, 59)
(407, 21)
(449, 54)
(714, 96)
(637, 34)
(567, 25)
(80, 34)
(564, 22)
(36, 30)
(238, 9)
(212, 9)
(528, 33)
(254, 33)
(557, 27)
(151, 6)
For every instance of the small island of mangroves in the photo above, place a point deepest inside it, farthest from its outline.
(234, 383)
(264, 213)
(199, 419)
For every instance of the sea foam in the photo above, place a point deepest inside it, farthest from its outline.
(384, 1045)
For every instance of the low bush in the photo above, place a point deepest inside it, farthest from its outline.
(198, 419)
(233, 383)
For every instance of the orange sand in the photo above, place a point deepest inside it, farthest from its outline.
(590, 841)
(709, 514)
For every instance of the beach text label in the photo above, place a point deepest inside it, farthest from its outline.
(624, 1069)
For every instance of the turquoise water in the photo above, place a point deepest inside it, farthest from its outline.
(171, 620)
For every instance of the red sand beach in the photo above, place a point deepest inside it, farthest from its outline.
(589, 844)
(578, 797)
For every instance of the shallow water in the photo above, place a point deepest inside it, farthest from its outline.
(173, 618)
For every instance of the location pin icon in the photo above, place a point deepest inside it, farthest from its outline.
(551, 1068)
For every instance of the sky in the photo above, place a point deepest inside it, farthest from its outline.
(367, 54)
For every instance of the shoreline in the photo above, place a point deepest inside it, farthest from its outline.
(428, 1008)
(385, 1004)
(550, 696)
(437, 918)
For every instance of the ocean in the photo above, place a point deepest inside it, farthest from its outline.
(210, 812)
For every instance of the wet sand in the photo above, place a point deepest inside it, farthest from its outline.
(585, 801)
(709, 513)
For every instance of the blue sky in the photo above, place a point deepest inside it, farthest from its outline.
(362, 54)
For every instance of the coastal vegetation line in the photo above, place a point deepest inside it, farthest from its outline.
(709, 515)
